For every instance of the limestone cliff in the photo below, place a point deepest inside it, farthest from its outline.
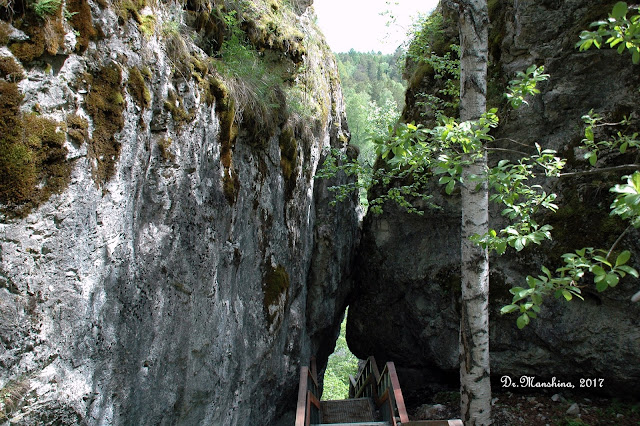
(161, 233)
(408, 266)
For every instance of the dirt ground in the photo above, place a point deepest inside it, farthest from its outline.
(540, 409)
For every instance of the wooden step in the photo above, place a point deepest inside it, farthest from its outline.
(354, 411)
(356, 424)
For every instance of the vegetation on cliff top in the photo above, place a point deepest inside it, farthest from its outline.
(253, 68)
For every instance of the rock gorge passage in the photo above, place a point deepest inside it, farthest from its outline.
(167, 257)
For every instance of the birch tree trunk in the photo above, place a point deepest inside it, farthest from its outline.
(475, 385)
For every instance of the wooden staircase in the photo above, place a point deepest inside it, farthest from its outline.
(374, 400)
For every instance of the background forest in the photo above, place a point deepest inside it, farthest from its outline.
(374, 90)
(374, 94)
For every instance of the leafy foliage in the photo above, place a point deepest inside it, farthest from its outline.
(44, 8)
(412, 155)
(525, 85)
(565, 283)
(618, 31)
(620, 141)
(434, 54)
(341, 364)
(627, 203)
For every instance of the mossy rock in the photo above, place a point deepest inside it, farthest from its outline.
(163, 145)
(77, 128)
(138, 88)
(105, 104)
(230, 185)
(10, 70)
(288, 159)
(33, 163)
(45, 36)
(225, 110)
(175, 105)
(275, 287)
(130, 9)
(5, 32)
(81, 21)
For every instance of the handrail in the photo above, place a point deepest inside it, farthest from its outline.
(365, 384)
(308, 408)
(389, 385)
(383, 388)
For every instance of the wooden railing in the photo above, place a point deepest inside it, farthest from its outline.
(308, 409)
(383, 388)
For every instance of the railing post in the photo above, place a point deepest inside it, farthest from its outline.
(314, 369)
(302, 397)
(397, 393)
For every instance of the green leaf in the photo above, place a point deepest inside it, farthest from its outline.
(612, 279)
(537, 299)
(602, 286)
(516, 290)
(501, 248)
(602, 260)
(629, 270)
(598, 270)
(509, 308)
(636, 57)
(593, 158)
(623, 258)
(623, 147)
(522, 321)
(588, 133)
(450, 186)
(619, 10)
(567, 294)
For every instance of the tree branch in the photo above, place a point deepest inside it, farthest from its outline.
(602, 170)
(617, 241)
(512, 151)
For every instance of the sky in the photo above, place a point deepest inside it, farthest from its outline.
(358, 24)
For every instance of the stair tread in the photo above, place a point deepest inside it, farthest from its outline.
(355, 424)
(355, 411)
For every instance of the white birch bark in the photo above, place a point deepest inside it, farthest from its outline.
(475, 385)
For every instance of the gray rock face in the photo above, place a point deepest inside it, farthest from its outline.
(153, 298)
(405, 306)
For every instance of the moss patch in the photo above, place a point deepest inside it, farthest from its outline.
(27, 51)
(138, 88)
(225, 109)
(46, 35)
(82, 21)
(105, 104)
(33, 162)
(5, 31)
(12, 396)
(10, 70)
(174, 104)
(288, 158)
(130, 9)
(77, 128)
(275, 289)
(163, 145)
